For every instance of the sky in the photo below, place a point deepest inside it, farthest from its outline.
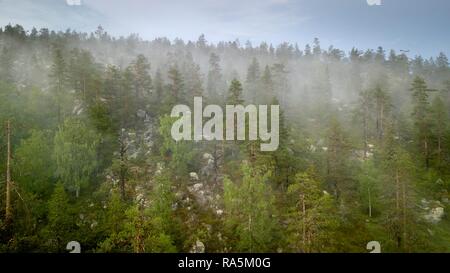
(420, 26)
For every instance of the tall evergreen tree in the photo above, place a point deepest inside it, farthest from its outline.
(249, 210)
(214, 82)
(235, 93)
(311, 215)
(61, 222)
(253, 76)
(421, 115)
(58, 76)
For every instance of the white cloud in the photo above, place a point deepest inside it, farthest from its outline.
(73, 2)
(374, 2)
(279, 2)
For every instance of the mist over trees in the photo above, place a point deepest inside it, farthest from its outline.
(363, 155)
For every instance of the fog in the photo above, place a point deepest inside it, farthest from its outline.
(308, 74)
(362, 145)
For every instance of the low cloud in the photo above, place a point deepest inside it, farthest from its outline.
(374, 2)
(73, 2)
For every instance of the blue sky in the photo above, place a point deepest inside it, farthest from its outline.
(421, 26)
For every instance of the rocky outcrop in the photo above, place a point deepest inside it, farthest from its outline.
(433, 211)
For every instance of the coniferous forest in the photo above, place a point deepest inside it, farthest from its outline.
(86, 152)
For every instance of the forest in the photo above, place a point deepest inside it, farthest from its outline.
(86, 153)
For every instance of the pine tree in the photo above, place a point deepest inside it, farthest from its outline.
(118, 96)
(150, 227)
(281, 83)
(176, 85)
(177, 154)
(421, 117)
(442, 64)
(159, 89)
(249, 213)
(201, 42)
(382, 107)
(58, 76)
(142, 81)
(253, 76)
(310, 215)
(364, 107)
(380, 55)
(135, 228)
(267, 85)
(113, 223)
(337, 158)
(402, 220)
(317, 51)
(161, 215)
(284, 160)
(235, 93)
(82, 76)
(215, 83)
(61, 222)
(439, 129)
(128, 100)
(308, 50)
(193, 78)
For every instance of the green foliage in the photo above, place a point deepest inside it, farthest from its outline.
(60, 218)
(311, 216)
(177, 154)
(370, 189)
(348, 169)
(161, 217)
(75, 154)
(112, 224)
(235, 93)
(145, 236)
(34, 165)
(421, 115)
(250, 215)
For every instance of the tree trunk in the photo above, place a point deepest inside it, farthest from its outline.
(365, 135)
(84, 89)
(404, 215)
(370, 202)
(397, 190)
(302, 197)
(122, 173)
(439, 146)
(123, 167)
(397, 205)
(216, 165)
(58, 96)
(381, 122)
(8, 213)
(139, 246)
